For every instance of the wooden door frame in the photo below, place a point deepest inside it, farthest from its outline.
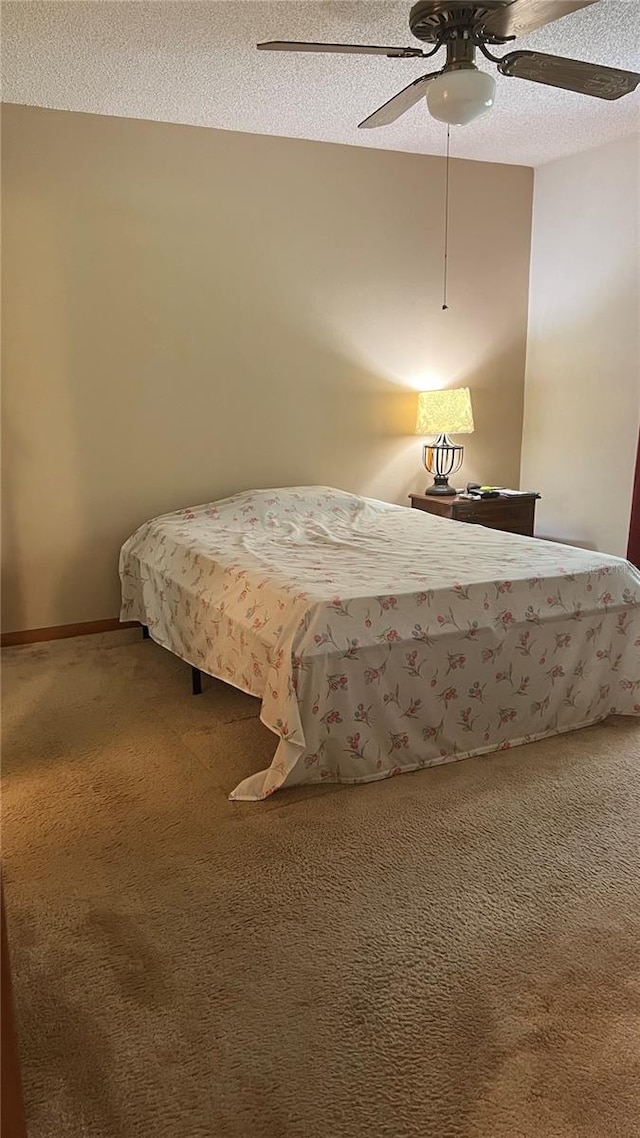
(12, 1106)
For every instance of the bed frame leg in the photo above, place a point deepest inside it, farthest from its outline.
(145, 632)
(196, 681)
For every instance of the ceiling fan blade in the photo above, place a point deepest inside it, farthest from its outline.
(344, 48)
(398, 104)
(522, 16)
(570, 74)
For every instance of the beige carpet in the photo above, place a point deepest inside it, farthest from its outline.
(454, 953)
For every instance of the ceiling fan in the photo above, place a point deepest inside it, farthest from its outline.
(459, 92)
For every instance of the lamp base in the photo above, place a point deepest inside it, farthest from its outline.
(442, 458)
(441, 487)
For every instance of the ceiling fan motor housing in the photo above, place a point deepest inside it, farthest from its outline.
(433, 20)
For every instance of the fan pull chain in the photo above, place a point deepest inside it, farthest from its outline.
(446, 224)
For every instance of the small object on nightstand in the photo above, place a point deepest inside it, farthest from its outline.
(508, 512)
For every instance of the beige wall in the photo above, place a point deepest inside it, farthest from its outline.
(582, 405)
(189, 312)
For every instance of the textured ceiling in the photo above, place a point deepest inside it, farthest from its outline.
(195, 62)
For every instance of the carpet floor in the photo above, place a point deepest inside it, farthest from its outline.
(448, 954)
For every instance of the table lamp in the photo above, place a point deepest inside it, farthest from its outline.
(442, 413)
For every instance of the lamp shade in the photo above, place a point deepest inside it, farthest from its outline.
(445, 412)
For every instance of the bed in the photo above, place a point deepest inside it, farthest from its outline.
(381, 639)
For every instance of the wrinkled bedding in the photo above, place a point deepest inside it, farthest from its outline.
(380, 639)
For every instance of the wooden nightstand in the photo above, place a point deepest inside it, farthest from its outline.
(515, 515)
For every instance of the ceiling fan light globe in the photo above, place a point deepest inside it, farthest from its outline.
(458, 97)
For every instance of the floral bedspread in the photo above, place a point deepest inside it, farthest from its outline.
(381, 639)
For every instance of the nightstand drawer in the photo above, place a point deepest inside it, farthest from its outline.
(495, 512)
(513, 515)
(465, 512)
